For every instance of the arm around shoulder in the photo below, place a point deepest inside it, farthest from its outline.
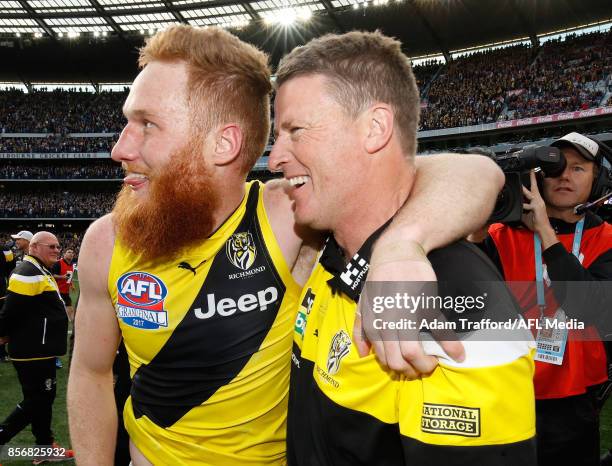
(91, 404)
(453, 195)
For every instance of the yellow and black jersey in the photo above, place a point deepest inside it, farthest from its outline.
(33, 315)
(209, 342)
(348, 410)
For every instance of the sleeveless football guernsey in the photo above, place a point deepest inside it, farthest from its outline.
(209, 338)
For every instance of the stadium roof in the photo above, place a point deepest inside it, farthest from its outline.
(101, 36)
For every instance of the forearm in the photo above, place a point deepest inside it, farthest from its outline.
(453, 196)
(92, 417)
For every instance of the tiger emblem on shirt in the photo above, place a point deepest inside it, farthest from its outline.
(240, 250)
(338, 349)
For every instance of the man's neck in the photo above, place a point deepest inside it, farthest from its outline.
(229, 201)
(373, 209)
(566, 214)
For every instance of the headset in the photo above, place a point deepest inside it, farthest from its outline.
(602, 185)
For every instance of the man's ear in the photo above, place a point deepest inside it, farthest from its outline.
(228, 143)
(379, 126)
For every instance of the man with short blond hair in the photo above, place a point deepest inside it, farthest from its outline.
(352, 169)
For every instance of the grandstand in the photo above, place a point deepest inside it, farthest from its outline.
(55, 140)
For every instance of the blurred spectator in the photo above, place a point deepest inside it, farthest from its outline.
(67, 239)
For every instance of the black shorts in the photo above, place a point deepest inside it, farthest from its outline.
(67, 299)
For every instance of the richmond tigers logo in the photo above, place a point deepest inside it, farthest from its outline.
(240, 250)
(338, 349)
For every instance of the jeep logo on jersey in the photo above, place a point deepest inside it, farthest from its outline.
(240, 250)
(226, 307)
(339, 348)
(140, 300)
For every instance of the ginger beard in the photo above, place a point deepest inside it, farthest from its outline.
(176, 214)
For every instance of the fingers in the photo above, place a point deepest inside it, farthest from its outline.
(396, 360)
(535, 190)
(527, 194)
(412, 352)
(454, 349)
(405, 357)
(534, 184)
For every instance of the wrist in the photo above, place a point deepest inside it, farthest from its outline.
(397, 233)
(547, 235)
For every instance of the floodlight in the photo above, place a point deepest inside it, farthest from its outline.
(286, 17)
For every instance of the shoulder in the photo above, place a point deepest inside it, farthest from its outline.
(100, 234)
(462, 261)
(276, 197)
(97, 248)
(26, 269)
(607, 230)
(26, 280)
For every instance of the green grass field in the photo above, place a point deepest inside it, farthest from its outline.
(10, 395)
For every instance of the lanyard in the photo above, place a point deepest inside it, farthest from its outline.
(538, 261)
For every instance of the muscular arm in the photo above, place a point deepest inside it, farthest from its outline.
(91, 403)
(453, 196)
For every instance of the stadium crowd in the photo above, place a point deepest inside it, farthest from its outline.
(425, 72)
(61, 111)
(55, 204)
(55, 144)
(561, 79)
(518, 82)
(45, 170)
(471, 89)
(482, 87)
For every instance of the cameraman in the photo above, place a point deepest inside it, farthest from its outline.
(556, 248)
